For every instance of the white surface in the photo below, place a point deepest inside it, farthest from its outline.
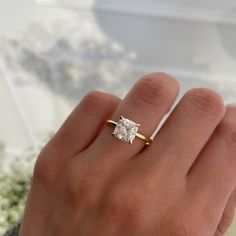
(51, 56)
(201, 10)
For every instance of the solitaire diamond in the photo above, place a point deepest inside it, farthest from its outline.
(126, 130)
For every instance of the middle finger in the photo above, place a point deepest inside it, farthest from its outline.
(186, 131)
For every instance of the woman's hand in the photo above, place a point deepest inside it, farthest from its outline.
(88, 183)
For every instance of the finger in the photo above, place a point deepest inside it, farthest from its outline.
(84, 123)
(186, 131)
(227, 216)
(213, 174)
(146, 104)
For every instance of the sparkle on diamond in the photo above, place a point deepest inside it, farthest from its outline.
(126, 130)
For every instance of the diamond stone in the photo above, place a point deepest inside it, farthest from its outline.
(126, 130)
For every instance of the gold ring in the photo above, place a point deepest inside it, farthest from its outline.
(127, 130)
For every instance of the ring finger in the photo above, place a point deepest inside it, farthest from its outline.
(146, 104)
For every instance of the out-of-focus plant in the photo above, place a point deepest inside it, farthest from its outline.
(15, 179)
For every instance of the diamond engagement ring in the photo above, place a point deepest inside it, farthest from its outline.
(127, 130)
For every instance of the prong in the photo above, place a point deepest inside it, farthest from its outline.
(113, 134)
(138, 125)
(121, 117)
(130, 141)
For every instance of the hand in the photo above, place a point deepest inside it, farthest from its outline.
(88, 183)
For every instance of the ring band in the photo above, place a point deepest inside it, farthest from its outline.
(127, 130)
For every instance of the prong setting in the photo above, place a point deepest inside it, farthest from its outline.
(126, 130)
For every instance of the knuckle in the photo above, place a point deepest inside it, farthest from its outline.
(93, 98)
(218, 232)
(40, 169)
(44, 170)
(229, 129)
(97, 99)
(205, 101)
(233, 134)
(228, 124)
(225, 222)
(155, 90)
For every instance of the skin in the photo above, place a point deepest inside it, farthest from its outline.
(87, 182)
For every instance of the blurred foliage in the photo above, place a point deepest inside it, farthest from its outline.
(15, 179)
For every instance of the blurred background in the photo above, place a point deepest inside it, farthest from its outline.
(52, 52)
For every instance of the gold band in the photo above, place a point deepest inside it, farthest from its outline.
(138, 135)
